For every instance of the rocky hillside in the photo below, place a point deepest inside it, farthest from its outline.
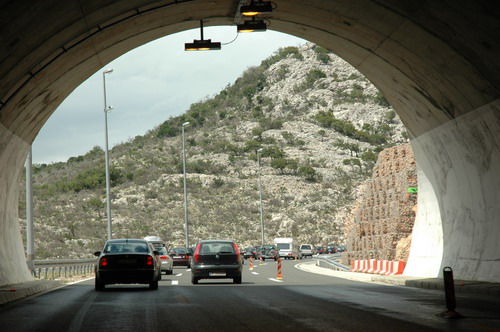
(320, 125)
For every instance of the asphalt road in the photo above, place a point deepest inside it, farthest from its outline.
(302, 301)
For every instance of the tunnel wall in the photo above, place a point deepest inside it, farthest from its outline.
(461, 159)
(426, 250)
(13, 268)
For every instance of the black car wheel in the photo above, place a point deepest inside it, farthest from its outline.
(99, 286)
(237, 280)
(169, 272)
(194, 280)
(153, 285)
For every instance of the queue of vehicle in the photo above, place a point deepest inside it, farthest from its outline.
(142, 261)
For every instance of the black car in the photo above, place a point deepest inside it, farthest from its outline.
(216, 259)
(127, 261)
(331, 249)
(321, 250)
(250, 252)
(341, 249)
(268, 251)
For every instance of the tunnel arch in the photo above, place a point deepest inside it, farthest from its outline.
(434, 61)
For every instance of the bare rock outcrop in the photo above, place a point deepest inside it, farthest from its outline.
(381, 221)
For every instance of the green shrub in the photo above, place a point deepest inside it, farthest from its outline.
(279, 163)
(281, 54)
(322, 54)
(151, 194)
(273, 152)
(311, 78)
(308, 173)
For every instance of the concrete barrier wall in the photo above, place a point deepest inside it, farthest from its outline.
(462, 160)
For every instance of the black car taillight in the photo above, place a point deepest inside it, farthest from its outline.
(103, 262)
(149, 260)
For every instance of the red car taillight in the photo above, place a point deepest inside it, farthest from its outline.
(197, 253)
(236, 250)
(150, 260)
(163, 257)
(103, 262)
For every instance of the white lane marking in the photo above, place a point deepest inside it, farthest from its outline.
(275, 280)
(188, 270)
(175, 282)
(178, 274)
(256, 273)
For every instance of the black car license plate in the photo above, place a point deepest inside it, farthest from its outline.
(127, 261)
(217, 274)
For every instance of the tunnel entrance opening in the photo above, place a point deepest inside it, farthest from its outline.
(442, 82)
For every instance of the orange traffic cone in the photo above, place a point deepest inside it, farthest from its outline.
(251, 263)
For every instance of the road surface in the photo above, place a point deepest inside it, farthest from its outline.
(302, 301)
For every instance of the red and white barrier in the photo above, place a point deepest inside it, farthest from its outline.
(371, 265)
(355, 265)
(384, 267)
(376, 266)
(397, 268)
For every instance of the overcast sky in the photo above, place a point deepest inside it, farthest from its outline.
(148, 85)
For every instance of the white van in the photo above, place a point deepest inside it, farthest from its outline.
(288, 248)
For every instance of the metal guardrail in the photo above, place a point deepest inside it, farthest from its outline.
(61, 268)
(330, 262)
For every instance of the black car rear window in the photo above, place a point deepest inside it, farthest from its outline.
(216, 248)
(126, 247)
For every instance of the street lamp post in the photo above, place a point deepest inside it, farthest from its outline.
(185, 187)
(106, 152)
(260, 198)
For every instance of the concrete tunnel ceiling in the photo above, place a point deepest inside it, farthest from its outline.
(435, 61)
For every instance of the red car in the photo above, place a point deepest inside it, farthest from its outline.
(180, 256)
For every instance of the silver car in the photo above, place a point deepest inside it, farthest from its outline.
(307, 250)
(167, 263)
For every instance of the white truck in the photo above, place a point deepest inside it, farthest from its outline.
(156, 241)
(288, 248)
